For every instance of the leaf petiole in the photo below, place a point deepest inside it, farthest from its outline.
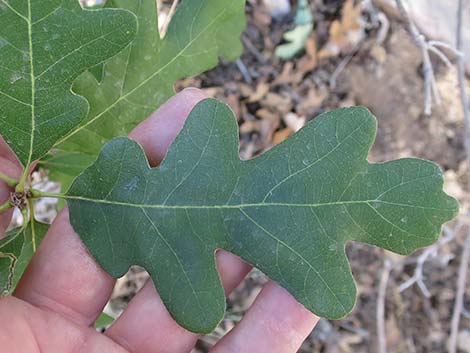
(20, 186)
(33, 228)
(38, 194)
(9, 181)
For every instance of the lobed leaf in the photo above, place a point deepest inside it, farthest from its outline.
(44, 46)
(289, 212)
(137, 81)
(16, 251)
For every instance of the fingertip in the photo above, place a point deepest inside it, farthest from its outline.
(277, 317)
(7, 153)
(279, 301)
(157, 132)
(232, 270)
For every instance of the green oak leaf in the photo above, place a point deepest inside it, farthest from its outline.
(44, 46)
(63, 166)
(138, 80)
(289, 212)
(16, 251)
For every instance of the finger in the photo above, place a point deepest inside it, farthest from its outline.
(30, 329)
(275, 323)
(9, 166)
(7, 153)
(147, 327)
(63, 277)
(157, 133)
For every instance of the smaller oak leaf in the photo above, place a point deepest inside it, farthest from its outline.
(16, 251)
(44, 46)
(133, 84)
(289, 212)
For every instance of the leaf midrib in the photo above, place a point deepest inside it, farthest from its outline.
(28, 21)
(33, 86)
(247, 205)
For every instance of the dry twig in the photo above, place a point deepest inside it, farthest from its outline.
(431, 92)
(459, 309)
(428, 254)
(380, 314)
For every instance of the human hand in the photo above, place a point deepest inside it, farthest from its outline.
(64, 291)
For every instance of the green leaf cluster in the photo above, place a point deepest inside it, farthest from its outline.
(72, 79)
(136, 82)
(119, 67)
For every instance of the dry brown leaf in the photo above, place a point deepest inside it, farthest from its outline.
(261, 17)
(281, 135)
(250, 126)
(310, 60)
(314, 99)
(245, 89)
(294, 74)
(261, 90)
(213, 91)
(286, 75)
(282, 103)
(347, 340)
(266, 114)
(233, 101)
(345, 33)
(267, 130)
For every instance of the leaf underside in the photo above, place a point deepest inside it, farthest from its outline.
(16, 251)
(44, 46)
(289, 212)
(137, 81)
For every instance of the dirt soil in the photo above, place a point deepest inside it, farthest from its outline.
(374, 63)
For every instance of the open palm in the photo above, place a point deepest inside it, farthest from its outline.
(64, 291)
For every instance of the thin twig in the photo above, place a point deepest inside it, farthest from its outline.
(342, 65)
(381, 334)
(168, 18)
(430, 85)
(253, 50)
(440, 55)
(459, 296)
(244, 70)
(427, 254)
(462, 276)
(438, 43)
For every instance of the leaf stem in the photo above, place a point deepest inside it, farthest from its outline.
(38, 194)
(9, 181)
(33, 228)
(6, 206)
(21, 184)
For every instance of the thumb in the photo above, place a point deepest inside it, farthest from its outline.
(157, 132)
